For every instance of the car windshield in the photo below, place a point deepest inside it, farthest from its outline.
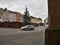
(25, 26)
(29, 26)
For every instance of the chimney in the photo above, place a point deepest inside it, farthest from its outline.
(5, 9)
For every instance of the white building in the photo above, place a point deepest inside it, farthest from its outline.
(1, 14)
(12, 17)
(4, 15)
(0, 17)
(7, 16)
(46, 22)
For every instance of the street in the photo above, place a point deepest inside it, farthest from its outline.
(17, 37)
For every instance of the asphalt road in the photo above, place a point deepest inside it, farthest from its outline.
(32, 38)
(10, 31)
(17, 37)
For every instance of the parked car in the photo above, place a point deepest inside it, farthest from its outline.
(28, 27)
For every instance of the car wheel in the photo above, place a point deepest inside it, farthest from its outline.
(33, 29)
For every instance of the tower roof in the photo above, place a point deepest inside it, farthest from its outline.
(26, 10)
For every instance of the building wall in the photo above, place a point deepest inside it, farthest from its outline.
(46, 20)
(5, 17)
(0, 17)
(54, 13)
(33, 20)
(1, 14)
(36, 20)
(19, 17)
(39, 21)
(11, 24)
(12, 17)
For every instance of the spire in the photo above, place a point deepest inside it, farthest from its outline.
(26, 9)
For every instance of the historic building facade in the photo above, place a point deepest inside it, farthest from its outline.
(19, 17)
(4, 15)
(1, 14)
(35, 20)
(12, 16)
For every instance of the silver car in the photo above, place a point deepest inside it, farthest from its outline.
(28, 27)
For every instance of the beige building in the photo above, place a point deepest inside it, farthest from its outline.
(39, 20)
(35, 20)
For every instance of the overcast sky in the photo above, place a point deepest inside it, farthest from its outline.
(37, 8)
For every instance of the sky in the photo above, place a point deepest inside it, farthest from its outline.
(37, 8)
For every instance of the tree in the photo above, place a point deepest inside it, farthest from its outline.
(26, 17)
